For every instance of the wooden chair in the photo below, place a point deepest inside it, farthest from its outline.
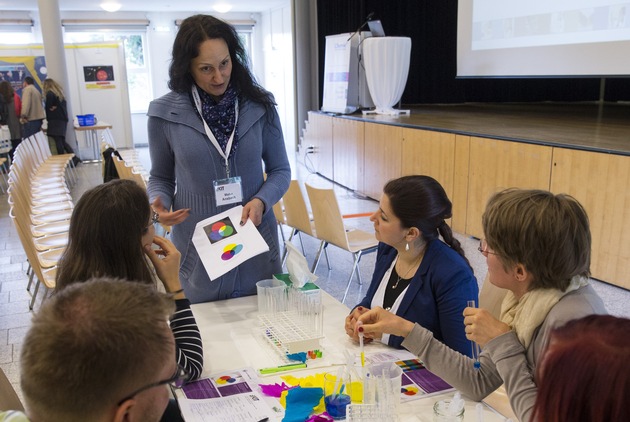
(278, 212)
(9, 399)
(298, 218)
(43, 264)
(330, 228)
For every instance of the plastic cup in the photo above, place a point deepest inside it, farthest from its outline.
(336, 395)
(272, 296)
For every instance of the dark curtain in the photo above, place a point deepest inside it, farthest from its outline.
(432, 27)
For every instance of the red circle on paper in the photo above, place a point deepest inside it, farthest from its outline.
(101, 75)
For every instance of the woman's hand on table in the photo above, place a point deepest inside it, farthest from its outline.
(377, 321)
(169, 218)
(351, 321)
(481, 327)
(166, 262)
(253, 210)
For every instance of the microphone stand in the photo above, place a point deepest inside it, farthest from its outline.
(369, 17)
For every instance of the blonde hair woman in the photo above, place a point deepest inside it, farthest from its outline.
(57, 116)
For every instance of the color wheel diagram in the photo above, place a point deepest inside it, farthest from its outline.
(221, 230)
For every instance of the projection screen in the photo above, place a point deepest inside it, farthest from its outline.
(538, 38)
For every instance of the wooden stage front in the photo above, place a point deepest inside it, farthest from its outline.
(584, 126)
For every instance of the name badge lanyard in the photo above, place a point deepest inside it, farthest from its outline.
(211, 136)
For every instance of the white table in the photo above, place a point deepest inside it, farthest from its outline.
(229, 342)
(91, 139)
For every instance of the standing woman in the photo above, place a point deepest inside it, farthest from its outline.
(417, 276)
(13, 108)
(215, 130)
(32, 113)
(57, 115)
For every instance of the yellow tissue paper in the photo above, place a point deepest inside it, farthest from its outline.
(317, 380)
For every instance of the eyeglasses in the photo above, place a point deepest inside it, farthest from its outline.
(179, 378)
(483, 248)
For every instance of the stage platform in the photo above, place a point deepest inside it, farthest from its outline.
(583, 126)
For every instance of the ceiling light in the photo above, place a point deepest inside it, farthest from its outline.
(110, 6)
(222, 7)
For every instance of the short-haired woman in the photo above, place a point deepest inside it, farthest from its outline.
(538, 247)
(417, 276)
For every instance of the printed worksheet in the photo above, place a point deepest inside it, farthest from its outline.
(230, 396)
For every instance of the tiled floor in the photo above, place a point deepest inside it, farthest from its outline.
(15, 316)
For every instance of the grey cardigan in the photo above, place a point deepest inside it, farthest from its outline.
(183, 166)
(503, 359)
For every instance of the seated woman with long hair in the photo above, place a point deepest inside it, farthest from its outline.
(111, 235)
(537, 246)
(417, 275)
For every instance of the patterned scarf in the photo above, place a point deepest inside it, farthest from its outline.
(524, 316)
(220, 116)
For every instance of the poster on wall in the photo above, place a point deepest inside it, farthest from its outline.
(99, 77)
(15, 69)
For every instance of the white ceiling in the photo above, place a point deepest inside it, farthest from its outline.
(150, 5)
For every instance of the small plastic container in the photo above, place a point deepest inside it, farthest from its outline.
(442, 412)
(86, 119)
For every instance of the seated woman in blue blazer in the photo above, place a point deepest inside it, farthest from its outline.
(418, 276)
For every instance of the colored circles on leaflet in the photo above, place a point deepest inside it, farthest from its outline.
(230, 251)
(220, 230)
(409, 390)
(225, 379)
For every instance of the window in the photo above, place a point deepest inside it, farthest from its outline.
(139, 83)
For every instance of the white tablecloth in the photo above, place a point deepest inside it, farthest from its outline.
(386, 62)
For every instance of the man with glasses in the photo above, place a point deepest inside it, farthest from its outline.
(100, 351)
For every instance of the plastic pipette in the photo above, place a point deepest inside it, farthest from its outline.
(361, 336)
(475, 346)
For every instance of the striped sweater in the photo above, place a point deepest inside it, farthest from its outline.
(188, 345)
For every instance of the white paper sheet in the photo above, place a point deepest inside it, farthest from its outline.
(223, 244)
(239, 408)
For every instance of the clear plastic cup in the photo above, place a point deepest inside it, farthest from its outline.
(272, 296)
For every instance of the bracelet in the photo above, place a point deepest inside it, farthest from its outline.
(176, 292)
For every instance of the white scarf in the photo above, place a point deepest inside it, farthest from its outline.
(526, 314)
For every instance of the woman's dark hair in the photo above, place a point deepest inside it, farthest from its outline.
(421, 202)
(105, 238)
(6, 91)
(192, 32)
(584, 373)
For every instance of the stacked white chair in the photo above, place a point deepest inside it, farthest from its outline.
(41, 207)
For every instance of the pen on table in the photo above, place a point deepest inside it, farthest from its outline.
(264, 420)
(475, 346)
(281, 368)
(361, 336)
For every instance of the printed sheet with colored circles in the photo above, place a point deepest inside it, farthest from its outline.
(223, 244)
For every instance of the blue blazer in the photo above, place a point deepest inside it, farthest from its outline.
(436, 296)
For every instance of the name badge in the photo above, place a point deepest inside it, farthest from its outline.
(228, 191)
